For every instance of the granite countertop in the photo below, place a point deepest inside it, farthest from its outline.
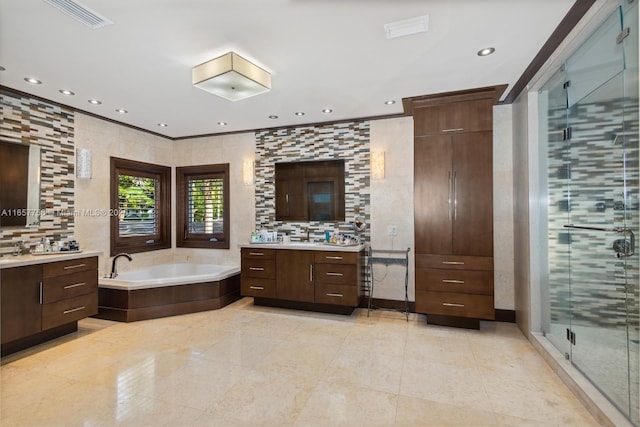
(22, 260)
(306, 246)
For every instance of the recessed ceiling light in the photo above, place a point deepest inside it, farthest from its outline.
(299, 113)
(121, 111)
(273, 116)
(390, 102)
(66, 92)
(486, 51)
(163, 125)
(32, 81)
(95, 102)
(222, 123)
(327, 110)
(2, 68)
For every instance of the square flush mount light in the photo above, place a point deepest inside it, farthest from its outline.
(232, 77)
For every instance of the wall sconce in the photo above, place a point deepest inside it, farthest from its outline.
(377, 165)
(247, 172)
(83, 163)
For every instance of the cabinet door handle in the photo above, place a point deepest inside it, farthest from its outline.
(453, 130)
(311, 272)
(258, 288)
(449, 196)
(40, 294)
(73, 309)
(455, 196)
(451, 304)
(330, 294)
(256, 268)
(75, 285)
(69, 267)
(334, 274)
(452, 281)
(333, 257)
(256, 253)
(453, 262)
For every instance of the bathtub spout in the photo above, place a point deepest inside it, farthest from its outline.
(114, 273)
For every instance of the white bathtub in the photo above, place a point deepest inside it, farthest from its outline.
(169, 275)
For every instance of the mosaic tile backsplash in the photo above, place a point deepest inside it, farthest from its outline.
(348, 141)
(25, 120)
(586, 182)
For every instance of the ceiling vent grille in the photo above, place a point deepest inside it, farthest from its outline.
(80, 13)
(407, 27)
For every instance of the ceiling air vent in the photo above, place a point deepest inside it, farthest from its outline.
(407, 27)
(80, 13)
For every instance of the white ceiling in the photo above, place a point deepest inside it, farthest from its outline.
(321, 53)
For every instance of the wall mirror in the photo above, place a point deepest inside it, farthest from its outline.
(310, 191)
(20, 184)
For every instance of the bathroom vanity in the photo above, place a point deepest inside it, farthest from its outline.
(43, 297)
(304, 275)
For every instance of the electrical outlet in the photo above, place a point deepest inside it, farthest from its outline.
(392, 230)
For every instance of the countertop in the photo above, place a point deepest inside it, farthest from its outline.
(306, 246)
(22, 260)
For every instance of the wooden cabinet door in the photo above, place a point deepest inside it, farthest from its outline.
(20, 298)
(473, 193)
(294, 275)
(433, 209)
(290, 202)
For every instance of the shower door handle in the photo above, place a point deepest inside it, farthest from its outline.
(622, 247)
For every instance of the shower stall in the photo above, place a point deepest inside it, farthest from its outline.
(589, 155)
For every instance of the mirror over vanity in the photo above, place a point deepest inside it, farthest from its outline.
(310, 191)
(19, 184)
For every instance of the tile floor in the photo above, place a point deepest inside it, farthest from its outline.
(255, 366)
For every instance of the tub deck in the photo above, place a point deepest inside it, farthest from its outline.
(141, 304)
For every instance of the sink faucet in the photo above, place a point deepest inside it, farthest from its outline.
(114, 273)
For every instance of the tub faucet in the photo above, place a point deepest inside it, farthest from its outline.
(114, 273)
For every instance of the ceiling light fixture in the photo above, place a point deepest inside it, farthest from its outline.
(163, 125)
(299, 113)
(66, 92)
(95, 101)
(327, 110)
(121, 111)
(2, 68)
(406, 27)
(32, 81)
(486, 51)
(273, 116)
(389, 102)
(231, 77)
(222, 123)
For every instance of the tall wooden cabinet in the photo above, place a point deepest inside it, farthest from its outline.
(453, 205)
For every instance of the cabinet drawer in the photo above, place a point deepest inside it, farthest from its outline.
(59, 268)
(455, 304)
(252, 287)
(69, 285)
(322, 257)
(454, 262)
(257, 253)
(265, 269)
(343, 274)
(465, 116)
(69, 310)
(462, 281)
(336, 294)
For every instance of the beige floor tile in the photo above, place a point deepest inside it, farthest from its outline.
(420, 412)
(377, 371)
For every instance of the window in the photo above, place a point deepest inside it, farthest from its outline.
(140, 206)
(203, 206)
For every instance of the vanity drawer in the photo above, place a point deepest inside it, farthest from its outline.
(324, 257)
(60, 268)
(69, 310)
(258, 253)
(343, 274)
(463, 281)
(455, 304)
(252, 287)
(261, 268)
(69, 285)
(336, 294)
(454, 262)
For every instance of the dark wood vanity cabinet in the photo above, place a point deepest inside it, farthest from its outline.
(43, 301)
(310, 277)
(453, 206)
